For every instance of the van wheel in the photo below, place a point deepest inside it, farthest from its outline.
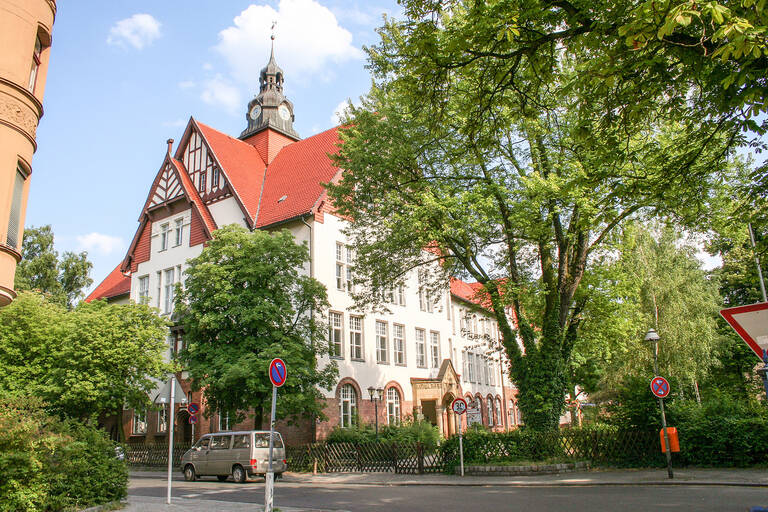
(238, 474)
(222, 478)
(189, 473)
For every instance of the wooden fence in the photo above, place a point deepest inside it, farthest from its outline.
(383, 456)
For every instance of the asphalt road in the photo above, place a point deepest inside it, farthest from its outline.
(429, 498)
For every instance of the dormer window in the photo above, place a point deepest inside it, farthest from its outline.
(36, 59)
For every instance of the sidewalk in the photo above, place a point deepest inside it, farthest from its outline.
(150, 504)
(687, 476)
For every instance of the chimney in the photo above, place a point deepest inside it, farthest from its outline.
(170, 146)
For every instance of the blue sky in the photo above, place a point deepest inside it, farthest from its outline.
(125, 76)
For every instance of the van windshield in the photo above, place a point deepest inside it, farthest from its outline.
(262, 440)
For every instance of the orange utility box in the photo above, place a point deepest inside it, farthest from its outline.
(674, 443)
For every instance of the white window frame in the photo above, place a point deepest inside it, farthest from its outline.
(165, 230)
(393, 406)
(347, 405)
(497, 403)
(15, 229)
(35, 68)
(356, 338)
(139, 422)
(162, 419)
(223, 426)
(489, 409)
(421, 348)
(401, 295)
(144, 289)
(336, 334)
(398, 344)
(178, 232)
(382, 342)
(340, 267)
(434, 348)
(169, 289)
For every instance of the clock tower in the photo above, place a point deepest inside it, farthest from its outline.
(270, 108)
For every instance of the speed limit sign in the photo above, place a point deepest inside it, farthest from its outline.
(459, 406)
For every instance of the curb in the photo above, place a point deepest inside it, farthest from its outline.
(112, 505)
(535, 484)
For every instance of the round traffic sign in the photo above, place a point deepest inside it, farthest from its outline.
(459, 406)
(660, 387)
(193, 419)
(193, 408)
(277, 372)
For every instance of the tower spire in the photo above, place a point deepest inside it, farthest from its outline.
(270, 108)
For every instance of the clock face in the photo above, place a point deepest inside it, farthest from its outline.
(284, 112)
(255, 112)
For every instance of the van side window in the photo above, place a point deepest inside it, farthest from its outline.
(241, 441)
(203, 443)
(262, 440)
(220, 442)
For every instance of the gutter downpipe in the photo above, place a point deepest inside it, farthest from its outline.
(311, 311)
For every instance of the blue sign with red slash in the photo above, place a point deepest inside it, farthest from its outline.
(660, 387)
(277, 372)
(193, 408)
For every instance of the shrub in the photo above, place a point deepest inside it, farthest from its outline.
(722, 431)
(412, 431)
(50, 464)
(408, 431)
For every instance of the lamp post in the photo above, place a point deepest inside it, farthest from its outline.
(653, 338)
(377, 395)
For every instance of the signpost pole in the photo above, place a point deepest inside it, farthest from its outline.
(270, 476)
(461, 444)
(171, 404)
(663, 416)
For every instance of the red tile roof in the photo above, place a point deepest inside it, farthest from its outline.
(241, 164)
(194, 196)
(113, 285)
(298, 173)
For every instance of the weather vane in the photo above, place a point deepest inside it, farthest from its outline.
(274, 24)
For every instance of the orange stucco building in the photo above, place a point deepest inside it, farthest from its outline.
(25, 39)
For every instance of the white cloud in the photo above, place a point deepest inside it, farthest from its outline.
(138, 31)
(100, 243)
(309, 37)
(342, 109)
(218, 91)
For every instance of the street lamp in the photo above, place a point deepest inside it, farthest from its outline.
(653, 337)
(377, 395)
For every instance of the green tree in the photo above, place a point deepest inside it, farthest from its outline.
(246, 301)
(520, 202)
(655, 280)
(63, 279)
(94, 359)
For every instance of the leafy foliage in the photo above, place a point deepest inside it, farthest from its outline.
(48, 464)
(95, 358)
(62, 279)
(722, 431)
(408, 431)
(650, 278)
(244, 303)
(511, 173)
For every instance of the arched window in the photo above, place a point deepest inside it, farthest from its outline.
(498, 411)
(511, 414)
(489, 406)
(393, 406)
(347, 405)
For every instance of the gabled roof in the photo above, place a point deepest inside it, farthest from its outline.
(194, 197)
(293, 185)
(114, 285)
(241, 164)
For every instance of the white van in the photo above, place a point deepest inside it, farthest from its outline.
(240, 454)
